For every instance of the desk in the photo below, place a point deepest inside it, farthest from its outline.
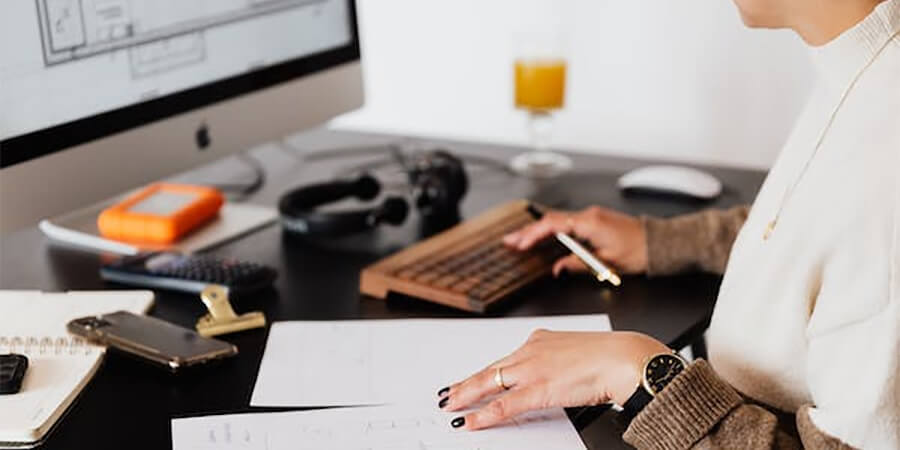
(128, 405)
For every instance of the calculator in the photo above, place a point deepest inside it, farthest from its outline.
(12, 372)
(188, 273)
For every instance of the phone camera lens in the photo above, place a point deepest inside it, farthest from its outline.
(95, 322)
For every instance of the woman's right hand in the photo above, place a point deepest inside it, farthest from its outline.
(618, 239)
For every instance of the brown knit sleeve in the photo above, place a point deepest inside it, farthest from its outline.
(700, 410)
(699, 241)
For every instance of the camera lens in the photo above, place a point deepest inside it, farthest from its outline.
(94, 322)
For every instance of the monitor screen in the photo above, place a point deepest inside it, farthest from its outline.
(75, 70)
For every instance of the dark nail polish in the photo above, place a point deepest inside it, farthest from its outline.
(458, 422)
(444, 391)
(443, 402)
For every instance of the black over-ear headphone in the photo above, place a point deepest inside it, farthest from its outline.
(438, 180)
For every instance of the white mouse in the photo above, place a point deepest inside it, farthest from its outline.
(670, 180)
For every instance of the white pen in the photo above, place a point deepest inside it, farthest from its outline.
(601, 271)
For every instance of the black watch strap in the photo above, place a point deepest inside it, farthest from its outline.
(634, 405)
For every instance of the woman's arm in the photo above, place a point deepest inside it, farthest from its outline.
(700, 410)
(851, 374)
(697, 409)
(699, 241)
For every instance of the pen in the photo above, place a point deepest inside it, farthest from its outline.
(601, 271)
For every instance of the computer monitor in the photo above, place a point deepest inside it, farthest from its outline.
(99, 96)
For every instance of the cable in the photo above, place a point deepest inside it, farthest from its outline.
(246, 189)
(395, 156)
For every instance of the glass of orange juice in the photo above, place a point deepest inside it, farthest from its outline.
(540, 89)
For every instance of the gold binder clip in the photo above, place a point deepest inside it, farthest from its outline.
(221, 318)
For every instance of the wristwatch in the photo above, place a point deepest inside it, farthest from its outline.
(658, 372)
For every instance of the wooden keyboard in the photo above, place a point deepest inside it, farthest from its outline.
(467, 266)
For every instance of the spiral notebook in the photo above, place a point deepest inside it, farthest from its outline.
(34, 324)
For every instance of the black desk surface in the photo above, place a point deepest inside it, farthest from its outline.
(128, 405)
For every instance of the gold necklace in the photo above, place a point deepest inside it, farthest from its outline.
(770, 227)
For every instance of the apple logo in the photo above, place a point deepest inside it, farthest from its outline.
(202, 137)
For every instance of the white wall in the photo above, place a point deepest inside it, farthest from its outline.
(679, 80)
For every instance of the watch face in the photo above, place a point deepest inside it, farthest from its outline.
(660, 371)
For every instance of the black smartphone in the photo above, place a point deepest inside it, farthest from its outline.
(164, 344)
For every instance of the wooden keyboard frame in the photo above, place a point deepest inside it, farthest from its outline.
(377, 280)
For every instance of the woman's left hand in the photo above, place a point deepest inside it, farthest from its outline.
(554, 369)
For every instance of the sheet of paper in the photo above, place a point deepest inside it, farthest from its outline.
(370, 428)
(370, 362)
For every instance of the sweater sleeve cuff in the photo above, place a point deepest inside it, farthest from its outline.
(682, 414)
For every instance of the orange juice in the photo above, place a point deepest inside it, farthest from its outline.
(540, 84)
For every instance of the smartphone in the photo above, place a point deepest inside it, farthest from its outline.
(157, 341)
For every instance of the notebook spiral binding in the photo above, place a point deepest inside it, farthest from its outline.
(46, 346)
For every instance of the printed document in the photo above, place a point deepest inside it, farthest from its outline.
(374, 362)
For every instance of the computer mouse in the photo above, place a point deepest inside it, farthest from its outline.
(671, 180)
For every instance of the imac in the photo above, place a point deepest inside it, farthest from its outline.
(99, 96)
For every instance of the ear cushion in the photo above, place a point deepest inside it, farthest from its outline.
(393, 211)
(366, 187)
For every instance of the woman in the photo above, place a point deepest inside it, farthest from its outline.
(805, 338)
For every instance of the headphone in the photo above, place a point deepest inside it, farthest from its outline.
(438, 181)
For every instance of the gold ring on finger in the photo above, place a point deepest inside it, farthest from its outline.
(498, 378)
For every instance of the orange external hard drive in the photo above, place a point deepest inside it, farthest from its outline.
(160, 214)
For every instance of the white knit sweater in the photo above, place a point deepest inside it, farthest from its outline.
(812, 315)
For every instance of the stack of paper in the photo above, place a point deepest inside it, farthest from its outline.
(372, 362)
(400, 362)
